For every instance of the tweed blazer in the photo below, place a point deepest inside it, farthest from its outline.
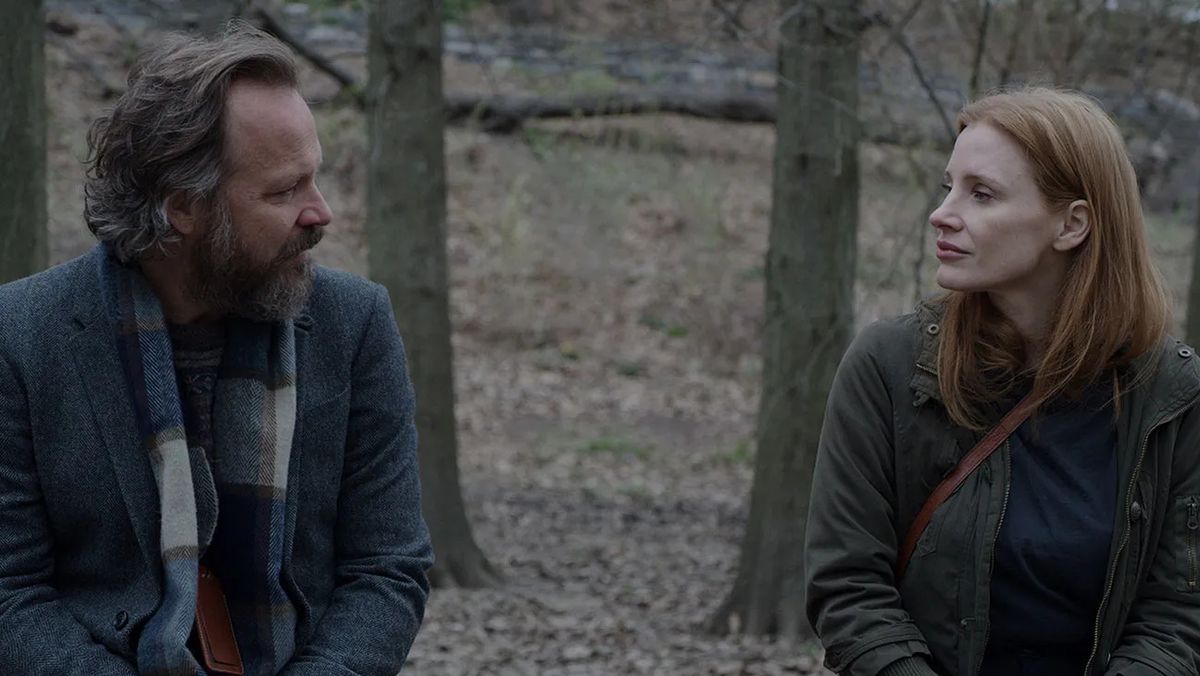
(80, 567)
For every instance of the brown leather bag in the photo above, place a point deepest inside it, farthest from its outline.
(214, 629)
(970, 462)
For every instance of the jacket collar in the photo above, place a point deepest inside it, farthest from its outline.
(98, 362)
(1170, 383)
(924, 380)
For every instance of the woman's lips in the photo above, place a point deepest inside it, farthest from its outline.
(947, 251)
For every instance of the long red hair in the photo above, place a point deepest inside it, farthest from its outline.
(1112, 307)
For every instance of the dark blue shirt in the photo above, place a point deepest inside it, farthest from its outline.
(1051, 553)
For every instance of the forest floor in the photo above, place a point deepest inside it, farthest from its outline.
(606, 302)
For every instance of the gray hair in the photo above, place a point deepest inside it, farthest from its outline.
(165, 134)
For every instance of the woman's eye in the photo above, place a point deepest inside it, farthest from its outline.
(946, 187)
(980, 196)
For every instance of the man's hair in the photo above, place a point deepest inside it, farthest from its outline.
(1112, 307)
(165, 134)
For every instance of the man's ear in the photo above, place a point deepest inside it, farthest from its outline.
(1076, 226)
(182, 212)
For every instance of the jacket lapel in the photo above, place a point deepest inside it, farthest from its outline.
(99, 366)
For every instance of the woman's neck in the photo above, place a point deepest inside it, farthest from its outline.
(1031, 315)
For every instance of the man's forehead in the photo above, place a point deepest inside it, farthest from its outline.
(268, 123)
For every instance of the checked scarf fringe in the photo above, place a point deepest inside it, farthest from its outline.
(254, 416)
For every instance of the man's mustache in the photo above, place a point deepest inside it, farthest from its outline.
(309, 239)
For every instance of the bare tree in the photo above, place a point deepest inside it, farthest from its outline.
(23, 140)
(1192, 330)
(406, 228)
(809, 304)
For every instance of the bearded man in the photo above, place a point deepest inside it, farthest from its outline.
(207, 449)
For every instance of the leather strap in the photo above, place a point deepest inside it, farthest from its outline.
(214, 629)
(970, 462)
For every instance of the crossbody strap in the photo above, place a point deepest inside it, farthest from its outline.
(970, 462)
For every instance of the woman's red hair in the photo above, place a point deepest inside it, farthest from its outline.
(1112, 307)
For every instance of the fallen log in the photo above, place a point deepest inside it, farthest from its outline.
(501, 114)
(507, 114)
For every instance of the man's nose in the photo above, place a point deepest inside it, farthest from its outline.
(316, 212)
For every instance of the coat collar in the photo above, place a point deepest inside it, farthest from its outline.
(98, 364)
(924, 381)
(1170, 377)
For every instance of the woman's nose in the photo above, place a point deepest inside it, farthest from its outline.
(944, 217)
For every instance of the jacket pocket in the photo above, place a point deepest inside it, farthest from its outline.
(1187, 519)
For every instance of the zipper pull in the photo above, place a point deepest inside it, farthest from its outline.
(1193, 514)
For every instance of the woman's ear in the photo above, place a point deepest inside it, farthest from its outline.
(182, 212)
(1076, 226)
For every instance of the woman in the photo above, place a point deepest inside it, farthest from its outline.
(1075, 547)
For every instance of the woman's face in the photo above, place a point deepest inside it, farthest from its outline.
(995, 230)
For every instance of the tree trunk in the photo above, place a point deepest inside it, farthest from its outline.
(1192, 331)
(22, 140)
(406, 229)
(809, 306)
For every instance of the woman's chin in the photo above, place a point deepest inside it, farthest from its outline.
(950, 281)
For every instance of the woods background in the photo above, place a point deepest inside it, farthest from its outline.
(600, 247)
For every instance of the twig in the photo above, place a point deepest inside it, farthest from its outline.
(980, 46)
(1019, 28)
(349, 83)
(898, 37)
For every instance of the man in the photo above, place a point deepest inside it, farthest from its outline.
(194, 409)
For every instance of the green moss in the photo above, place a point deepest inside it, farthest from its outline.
(616, 446)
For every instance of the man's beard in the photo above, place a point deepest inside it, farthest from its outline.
(230, 282)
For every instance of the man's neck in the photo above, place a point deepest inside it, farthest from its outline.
(171, 277)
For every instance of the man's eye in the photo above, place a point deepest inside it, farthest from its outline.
(286, 192)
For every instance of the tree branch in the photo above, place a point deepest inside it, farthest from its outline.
(980, 45)
(897, 36)
(271, 25)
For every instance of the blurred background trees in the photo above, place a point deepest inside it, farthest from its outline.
(22, 141)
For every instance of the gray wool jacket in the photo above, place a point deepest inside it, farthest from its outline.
(80, 568)
(887, 441)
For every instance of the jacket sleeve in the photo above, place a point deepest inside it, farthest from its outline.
(850, 549)
(38, 635)
(1161, 636)
(382, 545)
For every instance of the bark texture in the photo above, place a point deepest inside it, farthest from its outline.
(22, 140)
(406, 228)
(809, 310)
(1192, 330)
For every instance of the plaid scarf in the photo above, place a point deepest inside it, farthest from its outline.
(254, 415)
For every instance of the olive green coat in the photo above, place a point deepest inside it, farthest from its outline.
(887, 441)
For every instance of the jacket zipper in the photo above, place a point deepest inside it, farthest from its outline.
(1193, 524)
(1112, 574)
(987, 628)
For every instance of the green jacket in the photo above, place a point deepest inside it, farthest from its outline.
(887, 441)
